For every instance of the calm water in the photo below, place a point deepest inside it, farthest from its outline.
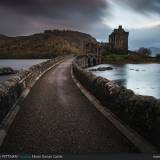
(144, 79)
(18, 64)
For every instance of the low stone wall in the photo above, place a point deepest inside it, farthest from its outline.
(140, 112)
(10, 90)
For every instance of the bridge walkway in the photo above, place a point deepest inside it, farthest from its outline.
(57, 118)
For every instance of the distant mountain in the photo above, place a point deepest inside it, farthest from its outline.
(155, 51)
(2, 36)
(44, 45)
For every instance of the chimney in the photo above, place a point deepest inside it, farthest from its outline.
(120, 26)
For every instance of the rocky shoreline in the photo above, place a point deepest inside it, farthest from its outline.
(7, 71)
(101, 69)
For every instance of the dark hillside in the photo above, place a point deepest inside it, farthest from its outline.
(43, 45)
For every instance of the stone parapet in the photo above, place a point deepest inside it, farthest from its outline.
(141, 112)
(11, 89)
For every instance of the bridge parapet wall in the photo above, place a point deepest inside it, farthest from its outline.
(11, 89)
(141, 112)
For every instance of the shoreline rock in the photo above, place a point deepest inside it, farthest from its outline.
(7, 71)
(102, 69)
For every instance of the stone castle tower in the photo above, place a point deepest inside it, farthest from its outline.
(118, 40)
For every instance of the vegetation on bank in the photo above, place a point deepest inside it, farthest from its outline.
(114, 58)
(140, 56)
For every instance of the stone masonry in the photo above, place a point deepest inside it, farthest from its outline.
(118, 40)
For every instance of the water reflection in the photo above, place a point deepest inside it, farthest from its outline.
(144, 79)
(18, 64)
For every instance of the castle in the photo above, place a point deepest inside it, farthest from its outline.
(118, 40)
(118, 43)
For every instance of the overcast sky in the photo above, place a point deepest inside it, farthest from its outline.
(97, 17)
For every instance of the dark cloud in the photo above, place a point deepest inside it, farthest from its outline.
(56, 8)
(41, 14)
(23, 17)
(100, 31)
(145, 6)
(145, 37)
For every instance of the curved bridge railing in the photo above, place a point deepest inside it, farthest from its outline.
(11, 89)
(141, 112)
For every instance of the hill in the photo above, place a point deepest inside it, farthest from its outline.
(44, 45)
(2, 36)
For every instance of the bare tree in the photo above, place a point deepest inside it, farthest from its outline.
(145, 52)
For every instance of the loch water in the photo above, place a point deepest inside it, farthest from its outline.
(18, 64)
(143, 79)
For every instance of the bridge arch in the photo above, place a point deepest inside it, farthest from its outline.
(89, 62)
(94, 61)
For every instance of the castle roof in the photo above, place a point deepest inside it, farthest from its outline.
(120, 30)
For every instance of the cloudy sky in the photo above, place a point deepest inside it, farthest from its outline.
(97, 17)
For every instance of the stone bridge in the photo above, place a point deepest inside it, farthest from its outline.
(88, 60)
(43, 111)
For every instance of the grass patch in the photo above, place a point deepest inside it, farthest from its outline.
(115, 57)
(124, 59)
